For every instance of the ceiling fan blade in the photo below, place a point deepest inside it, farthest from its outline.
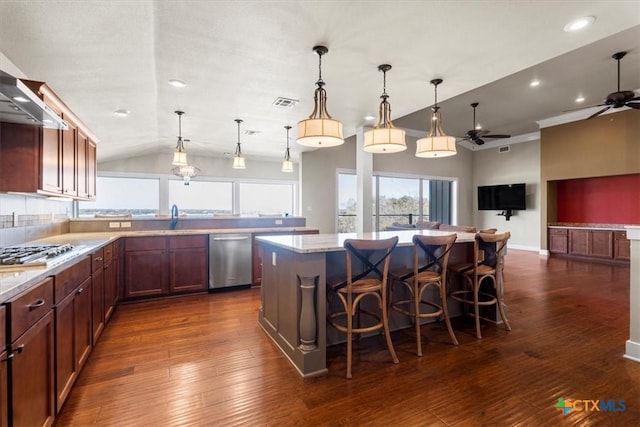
(583, 108)
(478, 141)
(635, 105)
(598, 113)
(497, 136)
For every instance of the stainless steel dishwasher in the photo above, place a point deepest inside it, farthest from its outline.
(229, 260)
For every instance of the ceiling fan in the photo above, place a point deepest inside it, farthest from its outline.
(620, 98)
(476, 134)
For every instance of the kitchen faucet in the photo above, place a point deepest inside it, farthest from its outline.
(174, 217)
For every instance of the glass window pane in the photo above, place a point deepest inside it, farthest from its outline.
(399, 200)
(347, 195)
(266, 199)
(201, 197)
(425, 200)
(122, 196)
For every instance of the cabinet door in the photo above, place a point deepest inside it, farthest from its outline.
(579, 242)
(110, 288)
(82, 325)
(82, 164)
(4, 392)
(558, 241)
(97, 304)
(621, 246)
(145, 273)
(66, 366)
(91, 170)
(188, 270)
(51, 158)
(69, 160)
(31, 368)
(601, 243)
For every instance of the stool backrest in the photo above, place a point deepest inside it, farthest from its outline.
(370, 254)
(436, 251)
(492, 246)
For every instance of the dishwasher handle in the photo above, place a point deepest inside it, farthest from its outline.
(229, 238)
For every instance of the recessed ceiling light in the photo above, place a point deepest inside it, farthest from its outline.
(534, 83)
(121, 113)
(579, 24)
(177, 83)
(20, 99)
(369, 117)
(580, 99)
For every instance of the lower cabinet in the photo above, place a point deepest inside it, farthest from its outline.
(4, 371)
(592, 243)
(159, 266)
(31, 357)
(256, 261)
(97, 294)
(110, 288)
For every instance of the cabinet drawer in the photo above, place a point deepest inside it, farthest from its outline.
(178, 242)
(144, 243)
(27, 308)
(558, 231)
(97, 260)
(69, 279)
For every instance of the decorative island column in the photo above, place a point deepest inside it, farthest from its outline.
(632, 350)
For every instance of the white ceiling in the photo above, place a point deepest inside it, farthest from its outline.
(238, 56)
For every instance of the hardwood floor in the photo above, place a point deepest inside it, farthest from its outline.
(204, 361)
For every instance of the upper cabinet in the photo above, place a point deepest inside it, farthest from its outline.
(48, 161)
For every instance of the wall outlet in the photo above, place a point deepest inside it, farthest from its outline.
(114, 225)
(278, 222)
(125, 224)
(273, 259)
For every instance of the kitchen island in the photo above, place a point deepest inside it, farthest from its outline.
(294, 274)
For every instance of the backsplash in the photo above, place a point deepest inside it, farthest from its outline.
(24, 218)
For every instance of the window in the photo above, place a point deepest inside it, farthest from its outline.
(123, 196)
(395, 199)
(201, 197)
(266, 199)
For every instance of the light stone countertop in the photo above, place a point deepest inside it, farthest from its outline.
(14, 282)
(313, 243)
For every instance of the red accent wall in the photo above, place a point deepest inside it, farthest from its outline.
(602, 200)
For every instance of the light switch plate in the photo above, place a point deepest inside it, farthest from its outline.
(114, 225)
(278, 222)
(125, 224)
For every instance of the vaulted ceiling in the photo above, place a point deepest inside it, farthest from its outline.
(237, 57)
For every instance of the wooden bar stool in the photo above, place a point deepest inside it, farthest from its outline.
(367, 272)
(488, 264)
(430, 260)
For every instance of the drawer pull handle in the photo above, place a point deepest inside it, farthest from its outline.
(79, 291)
(98, 259)
(35, 305)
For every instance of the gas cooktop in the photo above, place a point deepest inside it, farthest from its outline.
(31, 255)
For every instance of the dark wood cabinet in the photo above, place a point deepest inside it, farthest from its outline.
(256, 261)
(97, 294)
(110, 280)
(145, 267)
(558, 240)
(590, 243)
(159, 266)
(621, 246)
(4, 371)
(188, 263)
(50, 161)
(31, 352)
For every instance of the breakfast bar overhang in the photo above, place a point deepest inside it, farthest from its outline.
(293, 293)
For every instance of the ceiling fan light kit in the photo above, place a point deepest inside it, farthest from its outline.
(437, 143)
(186, 172)
(385, 137)
(320, 129)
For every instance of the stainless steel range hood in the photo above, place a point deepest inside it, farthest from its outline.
(19, 104)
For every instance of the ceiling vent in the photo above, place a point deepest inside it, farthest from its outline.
(285, 102)
(250, 132)
(504, 149)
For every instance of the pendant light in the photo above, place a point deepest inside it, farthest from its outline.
(180, 155)
(436, 143)
(320, 130)
(385, 137)
(238, 159)
(287, 164)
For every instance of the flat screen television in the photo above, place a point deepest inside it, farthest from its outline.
(502, 197)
